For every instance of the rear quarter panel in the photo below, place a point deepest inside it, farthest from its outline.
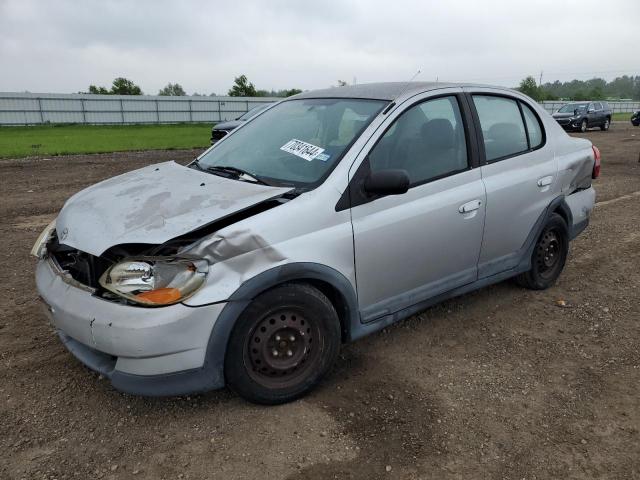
(575, 162)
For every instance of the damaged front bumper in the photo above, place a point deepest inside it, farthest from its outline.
(147, 351)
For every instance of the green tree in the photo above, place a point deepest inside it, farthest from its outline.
(580, 96)
(172, 90)
(242, 88)
(98, 90)
(124, 86)
(290, 92)
(596, 93)
(528, 86)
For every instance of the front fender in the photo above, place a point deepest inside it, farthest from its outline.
(240, 299)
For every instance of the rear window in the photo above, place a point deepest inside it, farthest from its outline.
(505, 130)
(536, 137)
(502, 126)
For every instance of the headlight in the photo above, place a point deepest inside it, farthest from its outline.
(40, 247)
(155, 281)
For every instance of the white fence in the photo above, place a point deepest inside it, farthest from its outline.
(624, 107)
(41, 108)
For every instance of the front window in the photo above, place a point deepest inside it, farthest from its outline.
(571, 107)
(297, 142)
(427, 141)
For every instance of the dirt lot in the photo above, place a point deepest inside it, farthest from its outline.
(500, 383)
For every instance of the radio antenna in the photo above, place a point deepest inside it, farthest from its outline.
(404, 89)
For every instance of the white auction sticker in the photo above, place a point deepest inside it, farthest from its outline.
(302, 149)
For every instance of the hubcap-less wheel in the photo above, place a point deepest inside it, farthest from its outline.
(280, 349)
(282, 344)
(548, 254)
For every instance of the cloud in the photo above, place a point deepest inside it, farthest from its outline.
(64, 46)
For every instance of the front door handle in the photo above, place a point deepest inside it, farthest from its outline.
(470, 206)
(545, 181)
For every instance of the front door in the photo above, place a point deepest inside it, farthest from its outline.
(426, 241)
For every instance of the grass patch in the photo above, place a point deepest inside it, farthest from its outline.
(622, 116)
(51, 140)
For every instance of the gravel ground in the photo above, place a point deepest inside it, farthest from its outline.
(500, 383)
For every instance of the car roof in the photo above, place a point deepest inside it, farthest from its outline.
(379, 91)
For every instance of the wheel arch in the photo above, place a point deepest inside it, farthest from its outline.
(559, 206)
(329, 281)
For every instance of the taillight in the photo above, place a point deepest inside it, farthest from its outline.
(596, 164)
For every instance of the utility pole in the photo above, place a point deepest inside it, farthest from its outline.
(540, 83)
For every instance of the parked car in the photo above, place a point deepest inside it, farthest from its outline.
(635, 118)
(220, 130)
(584, 115)
(333, 214)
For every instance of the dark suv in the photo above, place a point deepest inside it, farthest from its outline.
(635, 118)
(583, 115)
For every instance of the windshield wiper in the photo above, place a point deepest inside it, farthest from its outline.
(238, 172)
(198, 166)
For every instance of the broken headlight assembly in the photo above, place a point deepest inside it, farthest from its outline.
(155, 281)
(40, 247)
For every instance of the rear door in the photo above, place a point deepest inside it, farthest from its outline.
(426, 241)
(599, 113)
(519, 174)
(592, 115)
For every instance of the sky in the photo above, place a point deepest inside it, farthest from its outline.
(63, 46)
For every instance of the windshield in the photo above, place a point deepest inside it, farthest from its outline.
(570, 107)
(295, 143)
(252, 112)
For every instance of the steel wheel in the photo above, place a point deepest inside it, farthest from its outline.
(280, 348)
(548, 254)
(282, 344)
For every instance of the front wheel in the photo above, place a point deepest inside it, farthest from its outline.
(605, 126)
(549, 255)
(583, 126)
(282, 345)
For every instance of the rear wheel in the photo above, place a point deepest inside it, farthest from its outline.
(605, 126)
(282, 345)
(549, 255)
(583, 126)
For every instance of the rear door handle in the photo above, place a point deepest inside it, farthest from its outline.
(545, 181)
(470, 206)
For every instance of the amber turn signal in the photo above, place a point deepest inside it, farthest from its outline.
(161, 296)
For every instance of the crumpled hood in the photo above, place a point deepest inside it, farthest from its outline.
(152, 205)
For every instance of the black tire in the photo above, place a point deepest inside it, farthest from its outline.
(549, 255)
(282, 345)
(584, 125)
(605, 126)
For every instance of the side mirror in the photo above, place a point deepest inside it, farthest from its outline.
(387, 182)
(576, 112)
(591, 110)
